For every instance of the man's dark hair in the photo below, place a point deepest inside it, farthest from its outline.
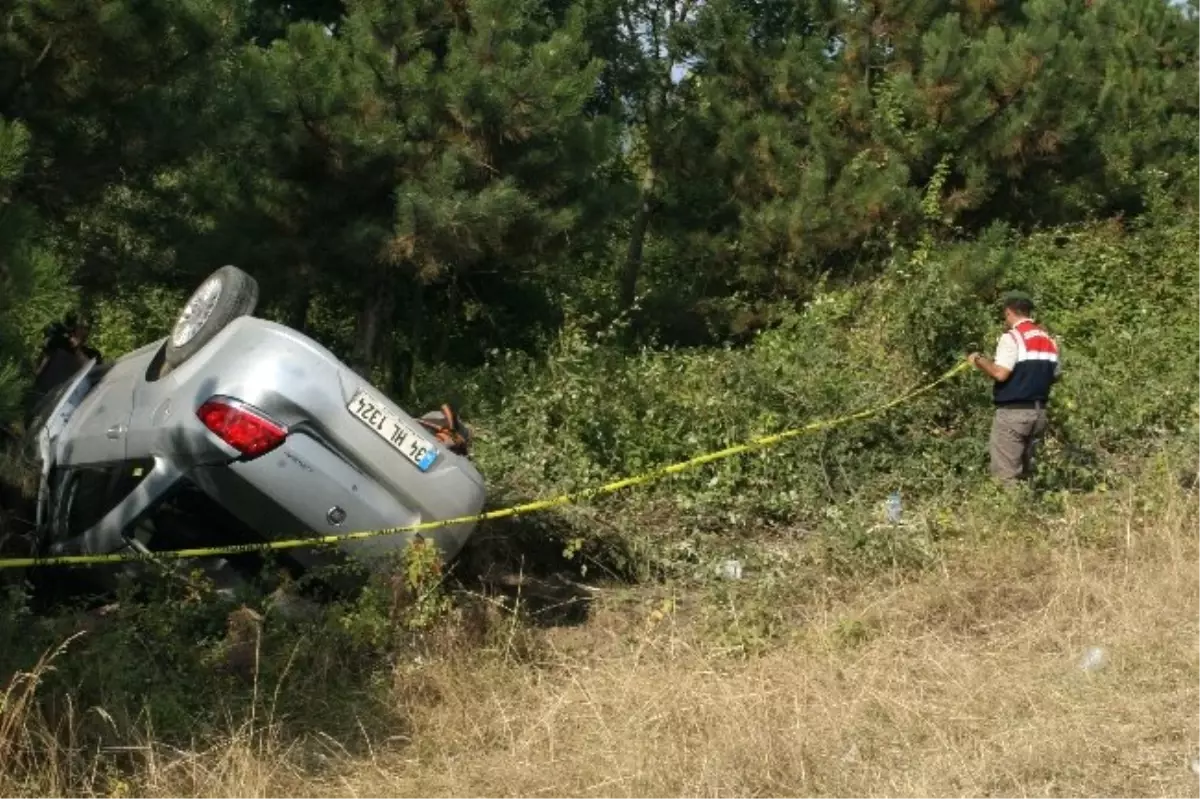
(1018, 301)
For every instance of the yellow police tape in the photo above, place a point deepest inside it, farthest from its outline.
(515, 510)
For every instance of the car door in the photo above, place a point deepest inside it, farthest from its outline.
(96, 431)
(91, 465)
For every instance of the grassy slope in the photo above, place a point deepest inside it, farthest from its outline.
(961, 679)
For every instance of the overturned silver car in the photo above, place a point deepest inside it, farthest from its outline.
(236, 430)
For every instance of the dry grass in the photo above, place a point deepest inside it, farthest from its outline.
(963, 681)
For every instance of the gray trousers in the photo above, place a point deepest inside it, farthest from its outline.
(1016, 432)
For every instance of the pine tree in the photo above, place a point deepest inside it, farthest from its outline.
(410, 164)
(15, 235)
(102, 87)
(111, 95)
(1144, 81)
(32, 288)
(846, 127)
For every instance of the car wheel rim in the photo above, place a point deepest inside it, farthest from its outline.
(197, 311)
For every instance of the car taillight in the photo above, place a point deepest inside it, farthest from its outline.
(242, 427)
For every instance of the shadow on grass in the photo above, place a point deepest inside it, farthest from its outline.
(538, 562)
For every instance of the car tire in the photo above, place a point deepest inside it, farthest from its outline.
(224, 296)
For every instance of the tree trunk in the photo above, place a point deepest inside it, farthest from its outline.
(632, 270)
(402, 374)
(297, 311)
(404, 364)
(441, 348)
(373, 336)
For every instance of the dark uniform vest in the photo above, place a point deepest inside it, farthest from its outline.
(1035, 370)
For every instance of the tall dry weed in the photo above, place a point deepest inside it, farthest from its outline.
(972, 678)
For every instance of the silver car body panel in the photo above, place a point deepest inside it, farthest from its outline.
(51, 432)
(333, 474)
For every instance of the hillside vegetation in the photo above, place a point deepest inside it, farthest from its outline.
(617, 234)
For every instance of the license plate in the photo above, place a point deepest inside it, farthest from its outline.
(407, 441)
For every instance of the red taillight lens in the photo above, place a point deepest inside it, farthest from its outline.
(245, 429)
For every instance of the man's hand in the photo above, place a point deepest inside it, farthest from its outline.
(997, 373)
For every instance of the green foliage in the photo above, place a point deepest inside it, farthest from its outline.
(683, 165)
(410, 597)
(128, 319)
(591, 413)
(1123, 304)
(12, 386)
(406, 175)
(32, 289)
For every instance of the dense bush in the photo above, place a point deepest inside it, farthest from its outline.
(1120, 298)
(1121, 301)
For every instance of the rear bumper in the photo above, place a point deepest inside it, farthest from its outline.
(301, 490)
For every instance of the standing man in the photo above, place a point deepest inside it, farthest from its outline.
(1025, 368)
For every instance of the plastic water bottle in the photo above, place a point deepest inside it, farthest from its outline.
(894, 507)
(730, 569)
(1094, 658)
